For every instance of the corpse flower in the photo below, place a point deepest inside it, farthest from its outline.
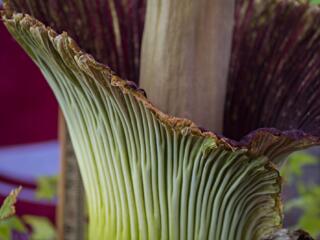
(247, 70)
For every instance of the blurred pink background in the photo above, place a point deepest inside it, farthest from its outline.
(28, 128)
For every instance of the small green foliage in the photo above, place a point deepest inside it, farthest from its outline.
(315, 1)
(308, 201)
(46, 187)
(295, 165)
(309, 195)
(7, 209)
(42, 228)
(10, 224)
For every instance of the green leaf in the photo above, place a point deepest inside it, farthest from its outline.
(7, 209)
(308, 202)
(10, 224)
(295, 163)
(46, 187)
(315, 1)
(42, 228)
(5, 232)
(311, 223)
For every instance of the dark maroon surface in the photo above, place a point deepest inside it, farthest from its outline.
(28, 113)
(91, 24)
(28, 110)
(274, 69)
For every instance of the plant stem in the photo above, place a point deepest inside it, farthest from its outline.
(185, 55)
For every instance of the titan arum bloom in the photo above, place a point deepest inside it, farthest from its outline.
(251, 78)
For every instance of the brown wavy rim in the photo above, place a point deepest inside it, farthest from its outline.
(179, 124)
(127, 87)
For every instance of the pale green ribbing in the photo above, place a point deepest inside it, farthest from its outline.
(143, 178)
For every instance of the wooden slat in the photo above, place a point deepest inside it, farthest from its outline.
(70, 210)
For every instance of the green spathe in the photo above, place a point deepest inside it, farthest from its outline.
(147, 175)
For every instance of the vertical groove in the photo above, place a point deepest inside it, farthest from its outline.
(146, 179)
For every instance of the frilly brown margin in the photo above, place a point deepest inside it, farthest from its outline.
(85, 60)
(87, 63)
(253, 143)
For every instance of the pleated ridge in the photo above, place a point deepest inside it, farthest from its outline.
(148, 175)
